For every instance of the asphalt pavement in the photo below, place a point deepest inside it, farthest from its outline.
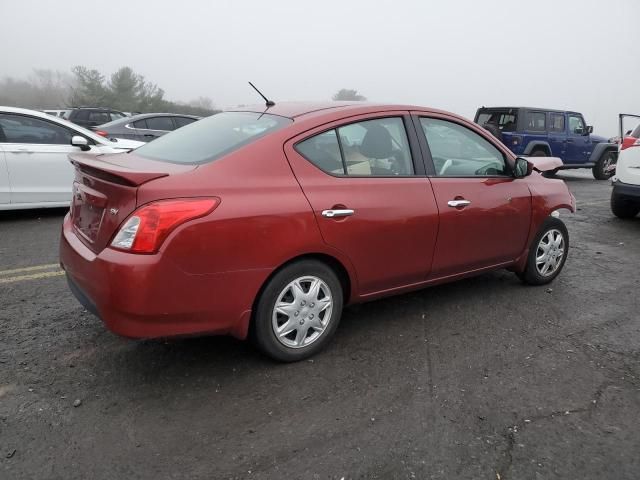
(481, 379)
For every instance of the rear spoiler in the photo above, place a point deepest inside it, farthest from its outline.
(98, 166)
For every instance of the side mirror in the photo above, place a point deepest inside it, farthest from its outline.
(81, 142)
(522, 168)
(589, 129)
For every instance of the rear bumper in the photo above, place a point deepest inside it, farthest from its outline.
(148, 296)
(626, 190)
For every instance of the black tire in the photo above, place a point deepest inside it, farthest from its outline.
(539, 152)
(263, 332)
(531, 275)
(623, 208)
(601, 168)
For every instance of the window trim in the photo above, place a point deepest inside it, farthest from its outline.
(428, 158)
(412, 141)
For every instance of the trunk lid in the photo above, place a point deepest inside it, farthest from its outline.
(105, 192)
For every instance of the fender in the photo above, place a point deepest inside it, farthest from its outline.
(547, 196)
(601, 148)
(536, 143)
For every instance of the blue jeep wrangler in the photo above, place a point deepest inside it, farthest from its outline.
(554, 133)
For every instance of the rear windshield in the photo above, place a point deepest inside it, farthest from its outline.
(212, 137)
(505, 120)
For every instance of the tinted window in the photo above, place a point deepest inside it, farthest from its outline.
(212, 137)
(576, 125)
(160, 123)
(140, 124)
(80, 115)
(182, 121)
(23, 129)
(115, 116)
(536, 121)
(505, 120)
(556, 122)
(323, 151)
(459, 152)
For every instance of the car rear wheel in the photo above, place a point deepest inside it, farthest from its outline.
(605, 167)
(539, 153)
(622, 207)
(547, 254)
(298, 311)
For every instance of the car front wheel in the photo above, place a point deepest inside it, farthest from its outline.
(298, 311)
(547, 254)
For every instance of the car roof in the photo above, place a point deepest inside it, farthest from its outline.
(299, 110)
(529, 108)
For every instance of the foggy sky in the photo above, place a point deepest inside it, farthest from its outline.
(450, 54)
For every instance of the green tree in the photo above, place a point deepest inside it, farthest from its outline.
(125, 89)
(90, 88)
(346, 94)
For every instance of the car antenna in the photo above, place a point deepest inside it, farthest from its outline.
(268, 103)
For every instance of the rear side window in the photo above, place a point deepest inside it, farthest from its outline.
(212, 137)
(371, 148)
(140, 124)
(556, 122)
(99, 117)
(182, 121)
(536, 121)
(505, 120)
(160, 123)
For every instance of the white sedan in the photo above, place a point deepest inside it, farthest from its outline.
(34, 169)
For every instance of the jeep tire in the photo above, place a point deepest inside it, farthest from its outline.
(601, 170)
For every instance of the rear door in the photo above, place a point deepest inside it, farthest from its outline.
(557, 126)
(36, 159)
(484, 212)
(156, 127)
(367, 187)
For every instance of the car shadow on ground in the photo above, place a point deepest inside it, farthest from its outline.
(29, 215)
(222, 357)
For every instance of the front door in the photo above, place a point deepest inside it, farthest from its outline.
(36, 159)
(577, 141)
(484, 212)
(371, 201)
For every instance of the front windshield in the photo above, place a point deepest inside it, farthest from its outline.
(212, 137)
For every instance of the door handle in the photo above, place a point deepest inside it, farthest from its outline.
(569, 140)
(458, 203)
(23, 150)
(345, 212)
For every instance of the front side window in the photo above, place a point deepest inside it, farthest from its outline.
(459, 152)
(576, 125)
(536, 121)
(31, 130)
(142, 124)
(212, 137)
(160, 123)
(556, 122)
(99, 117)
(371, 148)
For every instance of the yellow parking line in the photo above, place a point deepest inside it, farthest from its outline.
(33, 276)
(29, 269)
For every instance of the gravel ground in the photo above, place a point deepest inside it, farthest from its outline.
(484, 378)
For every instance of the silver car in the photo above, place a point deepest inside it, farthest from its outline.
(144, 127)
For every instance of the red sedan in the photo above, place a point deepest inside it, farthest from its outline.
(266, 223)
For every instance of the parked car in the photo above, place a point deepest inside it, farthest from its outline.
(557, 133)
(264, 224)
(625, 196)
(93, 116)
(144, 127)
(58, 113)
(34, 167)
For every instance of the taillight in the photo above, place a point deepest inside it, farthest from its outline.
(102, 133)
(630, 142)
(146, 228)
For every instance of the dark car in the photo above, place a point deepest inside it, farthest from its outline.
(88, 117)
(265, 223)
(144, 127)
(542, 132)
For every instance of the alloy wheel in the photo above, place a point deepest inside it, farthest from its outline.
(550, 252)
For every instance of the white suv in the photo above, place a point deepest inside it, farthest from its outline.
(625, 197)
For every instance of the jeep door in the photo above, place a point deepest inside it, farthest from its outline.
(557, 127)
(577, 140)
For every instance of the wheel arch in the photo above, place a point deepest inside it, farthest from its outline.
(537, 145)
(600, 149)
